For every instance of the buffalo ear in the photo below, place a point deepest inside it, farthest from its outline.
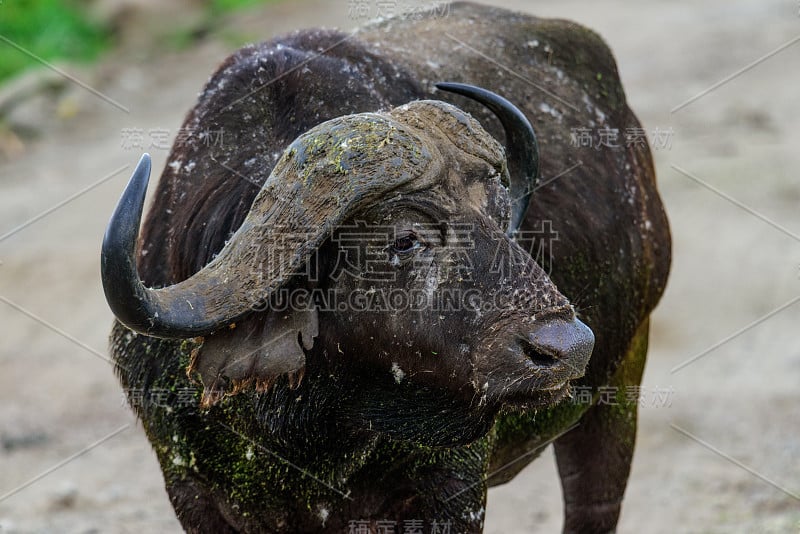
(254, 352)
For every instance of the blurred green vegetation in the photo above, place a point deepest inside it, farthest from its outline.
(222, 6)
(65, 30)
(50, 29)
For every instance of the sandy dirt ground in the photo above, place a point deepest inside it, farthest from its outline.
(718, 445)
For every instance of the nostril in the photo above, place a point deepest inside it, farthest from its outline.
(537, 356)
(559, 341)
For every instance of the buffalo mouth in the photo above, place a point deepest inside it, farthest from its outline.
(531, 398)
(547, 359)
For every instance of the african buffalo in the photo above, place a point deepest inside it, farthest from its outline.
(342, 313)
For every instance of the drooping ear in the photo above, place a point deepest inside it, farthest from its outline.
(254, 352)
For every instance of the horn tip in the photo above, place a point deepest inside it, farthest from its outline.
(145, 162)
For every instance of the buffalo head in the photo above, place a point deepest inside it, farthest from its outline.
(397, 229)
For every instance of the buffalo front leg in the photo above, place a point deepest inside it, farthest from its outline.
(594, 459)
(195, 509)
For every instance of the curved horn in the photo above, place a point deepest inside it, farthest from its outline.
(124, 292)
(156, 312)
(522, 150)
(325, 174)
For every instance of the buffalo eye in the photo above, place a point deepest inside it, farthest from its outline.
(404, 243)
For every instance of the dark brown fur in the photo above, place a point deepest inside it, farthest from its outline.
(612, 258)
